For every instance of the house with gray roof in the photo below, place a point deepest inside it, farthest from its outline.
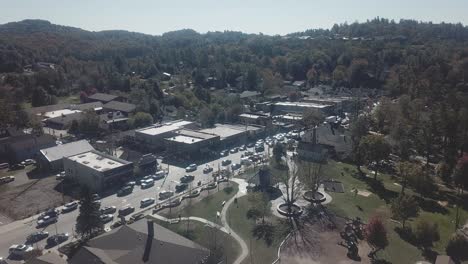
(52, 158)
(124, 108)
(140, 242)
(102, 97)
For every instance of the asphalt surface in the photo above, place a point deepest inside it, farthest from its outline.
(16, 232)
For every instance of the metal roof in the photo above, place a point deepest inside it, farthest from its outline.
(66, 150)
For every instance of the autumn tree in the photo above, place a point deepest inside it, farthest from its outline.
(426, 233)
(376, 235)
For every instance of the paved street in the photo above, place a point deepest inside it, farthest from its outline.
(16, 232)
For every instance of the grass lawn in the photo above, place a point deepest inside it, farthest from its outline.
(259, 250)
(347, 204)
(206, 237)
(208, 206)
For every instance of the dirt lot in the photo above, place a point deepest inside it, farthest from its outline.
(29, 194)
(315, 243)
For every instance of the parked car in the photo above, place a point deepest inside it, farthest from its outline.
(234, 150)
(128, 209)
(165, 194)
(191, 167)
(159, 175)
(108, 210)
(207, 169)
(57, 239)
(28, 162)
(50, 212)
(147, 183)
(60, 176)
(187, 178)
(225, 162)
(242, 148)
(4, 166)
(36, 236)
(146, 202)
(251, 145)
(125, 191)
(96, 197)
(47, 220)
(235, 166)
(131, 184)
(17, 167)
(259, 149)
(7, 179)
(19, 250)
(224, 153)
(180, 187)
(106, 218)
(245, 161)
(70, 207)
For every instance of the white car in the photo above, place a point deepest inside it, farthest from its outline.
(191, 167)
(47, 220)
(106, 218)
(165, 194)
(147, 183)
(28, 162)
(146, 202)
(20, 250)
(70, 206)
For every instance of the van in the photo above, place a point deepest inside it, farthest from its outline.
(128, 209)
(4, 165)
(165, 194)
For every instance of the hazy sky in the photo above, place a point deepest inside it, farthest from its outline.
(252, 16)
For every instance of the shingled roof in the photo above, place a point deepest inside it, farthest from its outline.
(132, 244)
(119, 106)
(102, 97)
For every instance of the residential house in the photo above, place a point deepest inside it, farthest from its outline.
(124, 108)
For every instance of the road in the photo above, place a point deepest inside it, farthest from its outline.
(16, 232)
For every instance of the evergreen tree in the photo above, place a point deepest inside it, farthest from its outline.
(88, 221)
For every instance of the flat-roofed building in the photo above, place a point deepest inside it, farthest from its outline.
(255, 119)
(230, 134)
(340, 103)
(300, 107)
(153, 136)
(97, 170)
(52, 158)
(188, 143)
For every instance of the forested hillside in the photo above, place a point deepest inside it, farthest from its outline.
(425, 63)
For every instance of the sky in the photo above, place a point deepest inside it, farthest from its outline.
(251, 16)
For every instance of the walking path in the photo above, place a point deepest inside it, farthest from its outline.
(224, 227)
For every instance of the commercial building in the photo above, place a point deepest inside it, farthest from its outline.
(300, 107)
(339, 104)
(262, 119)
(234, 134)
(97, 170)
(140, 242)
(189, 142)
(52, 158)
(16, 145)
(153, 136)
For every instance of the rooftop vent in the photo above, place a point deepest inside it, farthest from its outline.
(99, 157)
(96, 167)
(81, 156)
(85, 162)
(111, 162)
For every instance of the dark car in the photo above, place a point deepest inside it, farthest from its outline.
(57, 239)
(187, 178)
(125, 191)
(108, 210)
(36, 236)
(251, 145)
(70, 207)
(17, 167)
(128, 209)
(51, 213)
(181, 186)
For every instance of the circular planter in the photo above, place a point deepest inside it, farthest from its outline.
(314, 197)
(293, 211)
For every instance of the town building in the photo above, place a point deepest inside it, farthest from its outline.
(300, 107)
(340, 104)
(62, 122)
(153, 136)
(189, 143)
(103, 98)
(262, 119)
(116, 106)
(140, 242)
(113, 121)
(251, 95)
(51, 159)
(16, 145)
(230, 134)
(97, 170)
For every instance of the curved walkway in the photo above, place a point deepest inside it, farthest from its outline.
(224, 227)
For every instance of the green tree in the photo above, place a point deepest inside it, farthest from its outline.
(89, 124)
(88, 221)
(375, 150)
(312, 118)
(40, 97)
(404, 207)
(359, 128)
(206, 117)
(140, 119)
(426, 233)
(279, 151)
